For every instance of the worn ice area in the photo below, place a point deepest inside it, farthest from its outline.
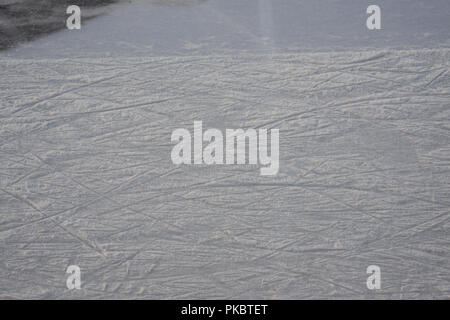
(86, 176)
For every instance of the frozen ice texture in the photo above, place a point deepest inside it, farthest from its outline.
(86, 177)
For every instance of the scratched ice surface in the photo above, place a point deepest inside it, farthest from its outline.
(86, 176)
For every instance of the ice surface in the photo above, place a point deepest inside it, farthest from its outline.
(87, 179)
(86, 176)
(144, 28)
